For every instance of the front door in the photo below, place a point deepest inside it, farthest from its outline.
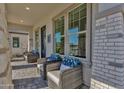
(43, 41)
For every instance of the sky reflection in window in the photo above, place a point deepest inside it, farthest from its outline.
(58, 37)
(73, 38)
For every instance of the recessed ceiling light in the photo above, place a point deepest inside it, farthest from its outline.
(21, 21)
(27, 8)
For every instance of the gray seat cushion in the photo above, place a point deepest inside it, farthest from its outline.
(54, 76)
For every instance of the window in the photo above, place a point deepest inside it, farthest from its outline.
(15, 42)
(77, 31)
(59, 35)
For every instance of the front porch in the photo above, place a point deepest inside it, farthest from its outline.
(26, 76)
(89, 34)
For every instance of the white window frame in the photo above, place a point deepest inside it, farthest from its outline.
(80, 32)
(87, 31)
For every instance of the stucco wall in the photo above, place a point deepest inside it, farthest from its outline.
(22, 29)
(49, 28)
(23, 43)
(5, 68)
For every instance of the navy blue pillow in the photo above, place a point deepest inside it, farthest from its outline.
(35, 52)
(54, 57)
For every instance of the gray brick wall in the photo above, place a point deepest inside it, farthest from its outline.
(108, 52)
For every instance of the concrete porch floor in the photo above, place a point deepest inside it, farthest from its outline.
(25, 76)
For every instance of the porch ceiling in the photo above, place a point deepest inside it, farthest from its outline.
(38, 11)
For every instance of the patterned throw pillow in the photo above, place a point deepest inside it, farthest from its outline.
(70, 61)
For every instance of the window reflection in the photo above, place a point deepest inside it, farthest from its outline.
(59, 38)
(59, 43)
(77, 43)
(77, 31)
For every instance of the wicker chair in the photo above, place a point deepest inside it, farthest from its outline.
(67, 79)
(31, 58)
(42, 66)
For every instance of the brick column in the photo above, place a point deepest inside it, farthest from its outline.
(108, 52)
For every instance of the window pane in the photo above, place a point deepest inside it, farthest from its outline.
(82, 45)
(76, 10)
(83, 24)
(59, 25)
(15, 42)
(83, 13)
(73, 31)
(77, 18)
(77, 45)
(71, 17)
(83, 6)
(73, 42)
(76, 24)
(71, 25)
(59, 43)
(62, 30)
